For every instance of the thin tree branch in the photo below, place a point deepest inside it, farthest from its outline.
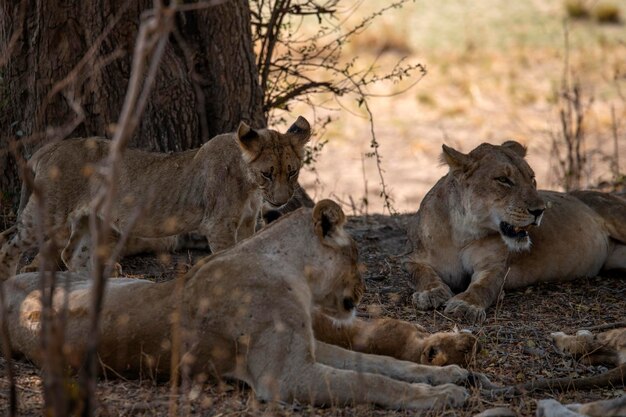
(279, 101)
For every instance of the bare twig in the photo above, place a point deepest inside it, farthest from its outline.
(309, 65)
(6, 352)
(500, 299)
(280, 101)
(177, 344)
(572, 120)
(384, 192)
(52, 325)
(151, 40)
(51, 329)
(613, 377)
(606, 326)
(617, 176)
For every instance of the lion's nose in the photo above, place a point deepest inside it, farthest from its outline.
(348, 303)
(537, 213)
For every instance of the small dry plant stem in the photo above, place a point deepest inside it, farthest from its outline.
(55, 393)
(365, 189)
(572, 118)
(177, 343)
(606, 326)
(55, 397)
(500, 299)
(290, 62)
(154, 32)
(615, 163)
(52, 325)
(6, 352)
(151, 41)
(384, 192)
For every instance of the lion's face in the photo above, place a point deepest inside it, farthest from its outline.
(453, 348)
(275, 158)
(336, 282)
(498, 192)
(346, 288)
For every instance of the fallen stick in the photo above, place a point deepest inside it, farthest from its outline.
(606, 326)
(613, 377)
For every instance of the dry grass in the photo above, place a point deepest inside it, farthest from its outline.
(494, 72)
(516, 346)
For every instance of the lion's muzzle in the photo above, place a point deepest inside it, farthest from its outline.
(513, 232)
(348, 304)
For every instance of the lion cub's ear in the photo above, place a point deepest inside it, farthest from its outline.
(454, 159)
(328, 221)
(516, 147)
(301, 131)
(249, 141)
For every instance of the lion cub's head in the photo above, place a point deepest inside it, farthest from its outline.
(498, 192)
(275, 158)
(335, 278)
(449, 348)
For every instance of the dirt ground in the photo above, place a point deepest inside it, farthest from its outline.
(515, 339)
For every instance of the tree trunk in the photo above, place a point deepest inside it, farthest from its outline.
(207, 82)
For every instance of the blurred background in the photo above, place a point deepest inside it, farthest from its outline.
(550, 74)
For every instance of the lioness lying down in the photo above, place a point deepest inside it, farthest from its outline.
(217, 189)
(484, 227)
(246, 314)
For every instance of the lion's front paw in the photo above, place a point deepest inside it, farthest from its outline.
(465, 311)
(450, 395)
(480, 380)
(450, 374)
(560, 340)
(573, 345)
(437, 397)
(425, 300)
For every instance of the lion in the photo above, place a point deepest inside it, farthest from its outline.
(381, 336)
(614, 407)
(484, 227)
(245, 313)
(398, 339)
(217, 189)
(606, 348)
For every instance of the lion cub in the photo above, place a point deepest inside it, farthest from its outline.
(217, 189)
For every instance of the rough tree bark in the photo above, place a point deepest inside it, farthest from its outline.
(206, 85)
